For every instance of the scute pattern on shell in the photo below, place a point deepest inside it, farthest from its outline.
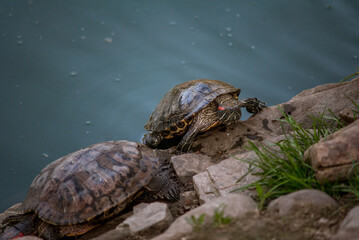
(184, 100)
(86, 183)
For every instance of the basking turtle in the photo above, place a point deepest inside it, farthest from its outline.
(193, 107)
(77, 192)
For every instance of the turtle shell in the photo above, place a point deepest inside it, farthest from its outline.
(84, 184)
(185, 100)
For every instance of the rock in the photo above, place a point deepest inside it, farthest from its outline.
(228, 140)
(188, 165)
(204, 188)
(139, 207)
(349, 228)
(352, 219)
(225, 175)
(237, 206)
(155, 216)
(221, 179)
(333, 158)
(303, 200)
(119, 232)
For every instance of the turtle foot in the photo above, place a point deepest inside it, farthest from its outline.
(253, 105)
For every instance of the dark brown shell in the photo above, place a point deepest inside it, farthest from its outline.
(84, 184)
(184, 100)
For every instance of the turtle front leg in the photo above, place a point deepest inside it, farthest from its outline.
(204, 120)
(187, 139)
(252, 105)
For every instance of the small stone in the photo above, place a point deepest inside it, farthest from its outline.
(189, 199)
(155, 215)
(237, 206)
(304, 200)
(323, 221)
(188, 165)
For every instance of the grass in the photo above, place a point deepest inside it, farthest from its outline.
(219, 220)
(196, 222)
(281, 166)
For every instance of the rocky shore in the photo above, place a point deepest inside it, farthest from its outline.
(209, 207)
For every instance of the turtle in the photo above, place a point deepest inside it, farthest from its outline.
(78, 192)
(193, 107)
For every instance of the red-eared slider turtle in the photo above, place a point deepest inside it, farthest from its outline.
(193, 107)
(77, 192)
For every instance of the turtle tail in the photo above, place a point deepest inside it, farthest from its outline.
(18, 226)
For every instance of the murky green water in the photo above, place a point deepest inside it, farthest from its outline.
(73, 73)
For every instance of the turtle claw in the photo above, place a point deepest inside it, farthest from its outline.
(173, 193)
(253, 105)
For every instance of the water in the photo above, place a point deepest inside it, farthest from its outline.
(74, 73)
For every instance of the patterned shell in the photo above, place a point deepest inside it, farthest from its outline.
(84, 184)
(184, 100)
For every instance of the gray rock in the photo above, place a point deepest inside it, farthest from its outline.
(221, 179)
(118, 233)
(155, 215)
(139, 207)
(333, 157)
(303, 200)
(237, 207)
(352, 219)
(349, 228)
(204, 188)
(225, 174)
(188, 165)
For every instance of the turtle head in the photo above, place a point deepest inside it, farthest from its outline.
(152, 139)
(228, 109)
